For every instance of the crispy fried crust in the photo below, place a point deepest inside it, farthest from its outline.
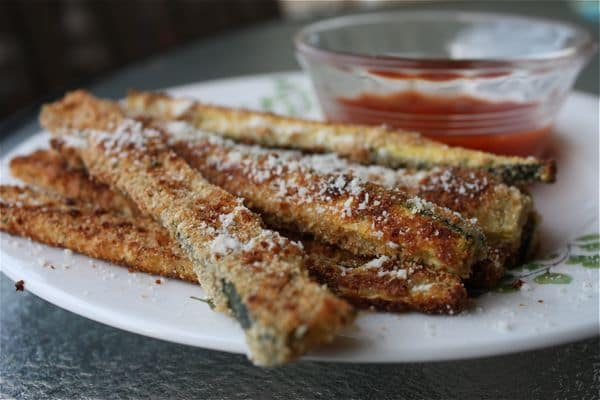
(52, 170)
(255, 273)
(363, 144)
(384, 283)
(363, 287)
(361, 217)
(503, 212)
(74, 183)
(500, 210)
(137, 243)
(141, 244)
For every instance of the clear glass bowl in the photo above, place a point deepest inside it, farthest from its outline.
(488, 81)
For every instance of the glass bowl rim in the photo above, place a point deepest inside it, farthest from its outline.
(584, 47)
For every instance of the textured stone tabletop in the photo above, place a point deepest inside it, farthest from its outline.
(47, 352)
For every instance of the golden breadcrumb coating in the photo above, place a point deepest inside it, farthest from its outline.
(138, 243)
(143, 245)
(361, 217)
(363, 144)
(52, 170)
(253, 273)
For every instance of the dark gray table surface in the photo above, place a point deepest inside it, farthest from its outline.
(47, 352)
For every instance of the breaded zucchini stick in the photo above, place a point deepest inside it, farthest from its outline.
(363, 144)
(52, 170)
(138, 243)
(505, 214)
(286, 187)
(384, 283)
(35, 167)
(500, 210)
(141, 244)
(361, 217)
(253, 273)
(47, 169)
(487, 274)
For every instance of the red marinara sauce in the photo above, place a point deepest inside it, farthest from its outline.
(504, 127)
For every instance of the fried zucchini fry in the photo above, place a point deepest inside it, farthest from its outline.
(288, 195)
(252, 273)
(500, 210)
(35, 167)
(363, 144)
(46, 168)
(138, 243)
(362, 287)
(505, 214)
(384, 283)
(358, 216)
(141, 244)
(488, 272)
(339, 269)
(54, 171)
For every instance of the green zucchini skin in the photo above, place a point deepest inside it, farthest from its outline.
(525, 173)
(236, 304)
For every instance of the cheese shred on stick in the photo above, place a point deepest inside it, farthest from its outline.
(250, 272)
(143, 245)
(363, 144)
(285, 184)
(356, 215)
(63, 174)
(501, 211)
(361, 217)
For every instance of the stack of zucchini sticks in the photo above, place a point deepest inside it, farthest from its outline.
(288, 225)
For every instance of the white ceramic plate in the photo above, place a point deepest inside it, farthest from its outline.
(558, 302)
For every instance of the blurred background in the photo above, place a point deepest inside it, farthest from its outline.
(48, 46)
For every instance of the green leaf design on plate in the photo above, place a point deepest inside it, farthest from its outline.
(539, 269)
(588, 261)
(553, 278)
(287, 98)
(530, 266)
(266, 103)
(592, 246)
(589, 237)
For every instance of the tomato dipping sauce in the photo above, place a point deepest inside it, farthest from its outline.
(485, 81)
(500, 127)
